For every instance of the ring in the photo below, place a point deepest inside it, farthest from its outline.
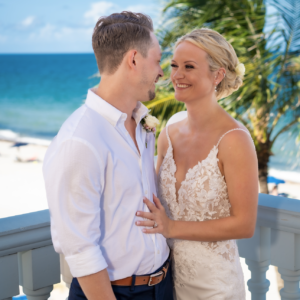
(155, 225)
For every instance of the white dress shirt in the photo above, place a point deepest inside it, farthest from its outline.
(95, 182)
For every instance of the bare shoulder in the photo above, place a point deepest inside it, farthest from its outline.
(173, 129)
(237, 141)
(162, 142)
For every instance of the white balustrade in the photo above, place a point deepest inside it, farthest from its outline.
(276, 241)
(27, 257)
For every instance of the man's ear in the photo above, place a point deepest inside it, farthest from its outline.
(132, 59)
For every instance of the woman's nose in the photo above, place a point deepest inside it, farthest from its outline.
(178, 74)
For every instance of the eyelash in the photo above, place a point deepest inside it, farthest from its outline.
(187, 66)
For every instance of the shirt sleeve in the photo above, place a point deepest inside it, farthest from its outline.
(73, 185)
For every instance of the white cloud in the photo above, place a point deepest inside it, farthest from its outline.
(28, 21)
(99, 9)
(140, 8)
(2, 38)
(151, 10)
(54, 33)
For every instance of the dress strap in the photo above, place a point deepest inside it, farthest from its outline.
(231, 131)
(168, 137)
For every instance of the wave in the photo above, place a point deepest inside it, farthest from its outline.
(11, 136)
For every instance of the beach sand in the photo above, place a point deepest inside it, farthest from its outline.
(22, 191)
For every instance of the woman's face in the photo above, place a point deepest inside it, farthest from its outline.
(190, 75)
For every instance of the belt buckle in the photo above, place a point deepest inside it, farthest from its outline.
(154, 275)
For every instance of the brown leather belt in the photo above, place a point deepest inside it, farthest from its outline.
(152, 279)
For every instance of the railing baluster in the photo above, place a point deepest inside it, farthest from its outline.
(39, 271)
(291, 284)
(40, 294)
(65, 271)
(258, 284)
(9, 279)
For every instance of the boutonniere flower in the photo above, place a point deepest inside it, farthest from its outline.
(149, 124)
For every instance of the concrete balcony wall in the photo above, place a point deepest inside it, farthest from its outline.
(27, 257)
(276, 242)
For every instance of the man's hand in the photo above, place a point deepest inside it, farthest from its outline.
(97, 286)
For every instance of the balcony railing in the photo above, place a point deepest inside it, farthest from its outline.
(27, 257)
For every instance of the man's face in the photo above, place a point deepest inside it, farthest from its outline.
(151, 70)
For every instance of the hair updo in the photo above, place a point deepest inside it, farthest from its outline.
(220, 55)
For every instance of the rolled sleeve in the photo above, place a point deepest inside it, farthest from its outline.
(90, 261)
(73, 185)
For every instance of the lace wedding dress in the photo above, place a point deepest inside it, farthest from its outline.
(201, 270)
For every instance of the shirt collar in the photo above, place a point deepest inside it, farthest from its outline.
(139, 112)
(109, 112)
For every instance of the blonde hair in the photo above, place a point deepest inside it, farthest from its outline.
(220, 55)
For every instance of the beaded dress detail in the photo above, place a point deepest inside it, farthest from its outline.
(201, 270)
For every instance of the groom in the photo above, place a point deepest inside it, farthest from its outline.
(100, 166)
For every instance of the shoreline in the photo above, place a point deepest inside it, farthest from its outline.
(23, 184)
(7, 135)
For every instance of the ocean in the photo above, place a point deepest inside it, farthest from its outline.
(39, 91)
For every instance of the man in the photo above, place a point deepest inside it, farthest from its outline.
(100, 166)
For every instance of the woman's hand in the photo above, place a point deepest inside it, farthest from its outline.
(157, 215)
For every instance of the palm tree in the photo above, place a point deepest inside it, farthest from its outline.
(268, 103)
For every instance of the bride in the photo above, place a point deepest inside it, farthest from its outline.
(207, 174)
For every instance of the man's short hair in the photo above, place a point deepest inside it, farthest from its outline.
(118, 33)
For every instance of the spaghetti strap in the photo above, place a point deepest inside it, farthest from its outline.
(231, 131)
(169, 140)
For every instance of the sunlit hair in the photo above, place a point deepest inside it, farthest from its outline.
(220, 54)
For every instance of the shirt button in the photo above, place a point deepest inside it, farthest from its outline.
(146, 192)
(158, 252)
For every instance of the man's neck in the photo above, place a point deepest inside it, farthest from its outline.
(118, 95)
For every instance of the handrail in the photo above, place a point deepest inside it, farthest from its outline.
(24, 232)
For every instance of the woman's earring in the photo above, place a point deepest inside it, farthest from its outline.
(216, 86)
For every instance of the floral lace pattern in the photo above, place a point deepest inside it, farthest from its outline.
(202, 196)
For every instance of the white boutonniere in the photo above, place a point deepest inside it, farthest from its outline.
(149, 124)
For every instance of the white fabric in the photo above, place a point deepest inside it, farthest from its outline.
(177, 117)
(95, 182)
(202, 270)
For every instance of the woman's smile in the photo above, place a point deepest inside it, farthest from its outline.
(182, 86)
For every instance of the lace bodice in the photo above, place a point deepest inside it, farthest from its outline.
(202, 196)
(203, 193)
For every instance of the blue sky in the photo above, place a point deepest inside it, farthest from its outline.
(59, 26)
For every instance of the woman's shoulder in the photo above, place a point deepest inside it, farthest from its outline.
(235, 138)
(167, 134)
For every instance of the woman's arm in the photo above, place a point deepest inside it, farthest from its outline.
(239, 164)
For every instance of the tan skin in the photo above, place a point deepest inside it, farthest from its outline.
(132, 82)
(192, 140)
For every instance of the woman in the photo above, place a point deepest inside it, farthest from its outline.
(207, 174)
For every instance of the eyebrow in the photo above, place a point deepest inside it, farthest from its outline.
(186, 61)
